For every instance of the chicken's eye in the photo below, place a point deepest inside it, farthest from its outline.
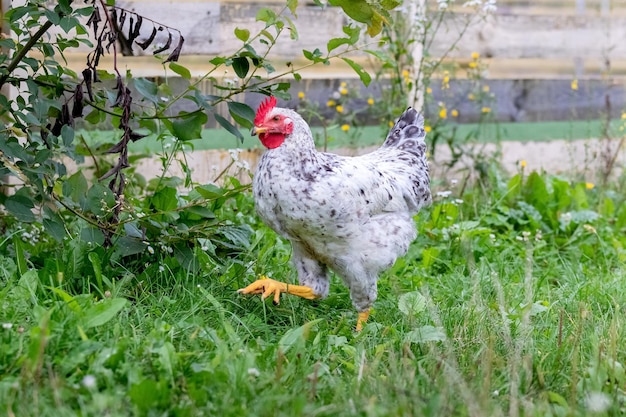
(276, 118)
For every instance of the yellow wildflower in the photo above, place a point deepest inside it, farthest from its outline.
(391, 123)
(589, 185)
(472, 64)
(427, 129)
(486, 109)
(522, 163)
(624, 115)
(574, 84)
(343, 84)
(405, 73)
(454, 113)
(445, 83)
(331, 103)
(343, 91)
(475, 55)
(471, 97)
(345, 127)
(443, 113)
(430, 91)
(370, 101)
(339, 108)
(301, 95)
(485, 88)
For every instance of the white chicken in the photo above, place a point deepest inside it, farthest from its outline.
(351, 215)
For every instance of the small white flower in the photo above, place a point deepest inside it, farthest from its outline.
(458, 201)
(336, 95)
(492, 236)
(454, 181)
(198, 286)
(89, 381)
(254, 372)
(150, 250)
(443, 194)
(7, 325)
(161, 268)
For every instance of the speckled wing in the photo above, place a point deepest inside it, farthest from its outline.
(395, 177)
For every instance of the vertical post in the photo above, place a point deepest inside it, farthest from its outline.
(605, 8)
(578, 61)
(580, 6)
(416, 15)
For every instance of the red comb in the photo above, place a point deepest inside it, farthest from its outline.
(264, 108)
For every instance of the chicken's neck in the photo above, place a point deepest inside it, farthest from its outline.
(297, 153)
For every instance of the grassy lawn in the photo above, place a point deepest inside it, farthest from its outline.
(510, 302)
(374, 135)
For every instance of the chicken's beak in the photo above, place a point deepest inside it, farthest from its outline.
(258, 130)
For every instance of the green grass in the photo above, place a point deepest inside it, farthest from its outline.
(373, 135)
(483, 317)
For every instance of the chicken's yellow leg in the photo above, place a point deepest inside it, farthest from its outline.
(267, 286)
(362, 318)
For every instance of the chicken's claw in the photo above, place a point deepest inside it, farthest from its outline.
(267, 286)
(362, 318)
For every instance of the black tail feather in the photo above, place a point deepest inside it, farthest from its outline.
(408, 133)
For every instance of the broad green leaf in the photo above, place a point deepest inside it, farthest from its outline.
(537, 192)
(266, 15)
(127, 246)
(359, 10)
(69, 300)
(292, 5)
(167, 358)
(54, 224)
(293, 30)
(180, 70)
(93, 235)
(189, 127)
(99, 200)
(67, 134)
(363, 75)
(242, 34)
(241, 65)
(242, 113)
(165, 199)
(335, 43)
(210, 191)
(429, 256)
(29, 281)
(75, 187)
(103, 311)
(228, 126)
(425, 334)
(412, 303)
(353, 36)
(199, 211)
(147, 89)
(297, 335)
(97, 268)
(20, 206)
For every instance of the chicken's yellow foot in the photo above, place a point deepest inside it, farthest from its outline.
(362, 318)
(267, 286)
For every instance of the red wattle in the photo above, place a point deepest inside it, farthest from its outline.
(272, 140)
